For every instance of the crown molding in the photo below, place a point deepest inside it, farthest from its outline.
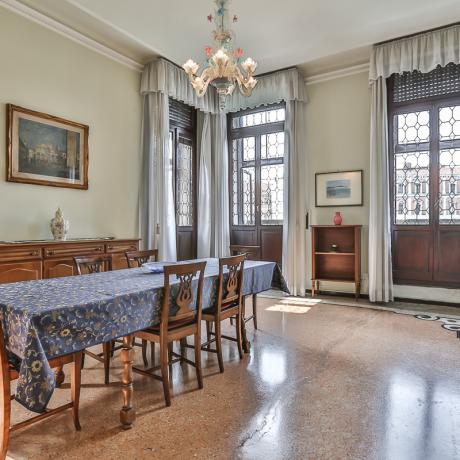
(71, 34)
(345, 72)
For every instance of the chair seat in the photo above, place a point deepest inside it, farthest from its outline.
(212, 310)
(172, 325)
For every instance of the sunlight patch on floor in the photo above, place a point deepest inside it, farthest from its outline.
(289, 308)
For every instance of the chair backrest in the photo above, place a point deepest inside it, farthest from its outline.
(251, 252)
(93, 264)
(182, 294)
(137, 258)
(231, 279)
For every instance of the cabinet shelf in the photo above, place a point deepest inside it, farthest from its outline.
(340, 266)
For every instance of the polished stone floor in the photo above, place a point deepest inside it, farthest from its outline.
(321, 382)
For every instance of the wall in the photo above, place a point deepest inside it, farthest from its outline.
(44, 71)
(337, 140)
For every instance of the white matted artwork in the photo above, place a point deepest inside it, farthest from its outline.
(344, 188)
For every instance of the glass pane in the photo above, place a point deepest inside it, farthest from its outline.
(412, 188)
(449, 186)
(259, 118)
(413, 127)
(248, 182)
(272, 194)
(184, 184)
(449, 123)
(272, 145)
(243, 178)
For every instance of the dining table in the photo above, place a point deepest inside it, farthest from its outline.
(48, 318)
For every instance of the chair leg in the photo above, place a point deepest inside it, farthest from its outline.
(199, 375)
(254, 310)
(59, 375)
(83, 359)
(112, 348)
(152, 353)
(144, 352)
(208, 330)
(106, 348)
(183, 349)
(75, 385)
(170, 357)
(164, 363)
(219, 346)
(5, 412)
(239, 341)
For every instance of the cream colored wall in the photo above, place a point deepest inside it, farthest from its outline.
(44, 71)
(337, 117)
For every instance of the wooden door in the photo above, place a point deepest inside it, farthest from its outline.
(184, 159)
(257, 152)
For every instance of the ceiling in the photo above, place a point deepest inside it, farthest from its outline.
(317, 35)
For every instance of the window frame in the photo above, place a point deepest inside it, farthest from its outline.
(257, 132)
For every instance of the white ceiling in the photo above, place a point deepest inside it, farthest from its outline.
(318, 35)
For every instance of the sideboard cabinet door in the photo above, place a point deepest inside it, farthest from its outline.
(58, 268)
(20, 271)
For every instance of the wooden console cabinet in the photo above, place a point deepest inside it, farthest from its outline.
(34, 260)
(342, 263)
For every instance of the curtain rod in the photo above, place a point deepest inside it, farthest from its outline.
(416, 33)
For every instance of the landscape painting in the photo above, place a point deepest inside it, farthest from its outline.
(338, 188)
(344, 188)
(46, 150)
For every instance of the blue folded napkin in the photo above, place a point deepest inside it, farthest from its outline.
(154, 267)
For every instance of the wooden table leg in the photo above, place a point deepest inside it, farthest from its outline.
(246, 342)
(127, 413)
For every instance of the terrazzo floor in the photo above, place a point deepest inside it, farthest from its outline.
(322, 381)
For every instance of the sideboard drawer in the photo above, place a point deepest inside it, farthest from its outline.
(72, 251)
(121, 247)
(12, 254)
(20, 271)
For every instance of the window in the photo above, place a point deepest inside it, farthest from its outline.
(258, 154)
(424, 122)
(257, 150)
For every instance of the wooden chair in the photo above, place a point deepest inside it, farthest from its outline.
(229, 304)
(137, 258)
(9, 373)
(97, 264)
(251, 252)
(182, 324)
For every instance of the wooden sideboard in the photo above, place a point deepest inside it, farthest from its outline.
(336, 255)
(34, 260)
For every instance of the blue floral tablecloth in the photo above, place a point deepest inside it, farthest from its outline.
(49, 318)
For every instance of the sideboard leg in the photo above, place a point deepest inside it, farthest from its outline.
(127, 413)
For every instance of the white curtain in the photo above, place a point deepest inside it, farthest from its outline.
(296, 196)
(213, 194)
(380, 270)
(156, 210)
(422, 52)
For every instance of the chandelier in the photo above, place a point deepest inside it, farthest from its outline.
(224, 67)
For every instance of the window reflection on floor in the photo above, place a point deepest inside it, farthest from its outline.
(272, 366)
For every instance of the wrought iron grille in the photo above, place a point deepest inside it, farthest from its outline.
(184, 183)
(410, 86)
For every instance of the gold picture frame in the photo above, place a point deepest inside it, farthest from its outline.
(43, 149)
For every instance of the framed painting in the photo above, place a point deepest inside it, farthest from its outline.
(343, 188)
(46, 150)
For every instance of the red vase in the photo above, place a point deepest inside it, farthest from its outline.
(337, 219)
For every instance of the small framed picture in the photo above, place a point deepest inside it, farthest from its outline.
(343, 188)
(46, 150)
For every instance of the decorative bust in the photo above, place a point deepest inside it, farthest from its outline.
(59, 226)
